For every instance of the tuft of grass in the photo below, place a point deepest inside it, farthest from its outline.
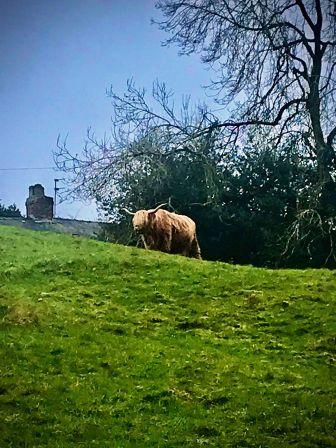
(103, 345)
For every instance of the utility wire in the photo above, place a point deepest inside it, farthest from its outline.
(27, 169)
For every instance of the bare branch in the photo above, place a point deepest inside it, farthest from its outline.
(305, 14)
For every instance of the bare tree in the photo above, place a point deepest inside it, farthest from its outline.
(138, 131)
(274, 64)
(277, 58)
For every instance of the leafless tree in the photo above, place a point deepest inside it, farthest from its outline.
(274, 62)
(274, 66)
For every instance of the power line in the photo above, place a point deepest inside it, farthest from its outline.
(28, 169)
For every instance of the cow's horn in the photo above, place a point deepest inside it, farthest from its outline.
(127, 211)
(157, 208)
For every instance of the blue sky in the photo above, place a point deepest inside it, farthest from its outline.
(57, 60)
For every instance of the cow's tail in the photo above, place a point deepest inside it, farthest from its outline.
(195, 250)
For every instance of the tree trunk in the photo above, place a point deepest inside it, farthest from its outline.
(326, 187)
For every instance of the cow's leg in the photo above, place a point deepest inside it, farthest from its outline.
(144, 242)
(166, 242)
(148, 242)
(195, 250)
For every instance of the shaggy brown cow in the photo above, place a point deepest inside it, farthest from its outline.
(167, 232)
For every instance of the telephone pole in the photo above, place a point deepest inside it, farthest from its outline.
(55, 195)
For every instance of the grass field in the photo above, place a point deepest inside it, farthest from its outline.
(107, 346)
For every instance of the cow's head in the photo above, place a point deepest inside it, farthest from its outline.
(142, 219)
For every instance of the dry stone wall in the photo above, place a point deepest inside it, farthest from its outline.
(89, 229)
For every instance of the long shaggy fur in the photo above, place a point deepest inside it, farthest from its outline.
(167, 232)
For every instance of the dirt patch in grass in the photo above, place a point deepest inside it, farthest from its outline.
(21, 314)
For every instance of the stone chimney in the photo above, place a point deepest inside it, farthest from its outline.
(38, 205)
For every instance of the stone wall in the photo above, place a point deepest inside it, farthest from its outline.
(89, 229)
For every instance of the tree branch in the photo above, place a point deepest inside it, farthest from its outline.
(331, 136)
(305, 14)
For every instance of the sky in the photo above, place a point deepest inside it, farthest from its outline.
(57, 58)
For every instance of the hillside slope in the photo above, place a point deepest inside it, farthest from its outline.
(108, 346)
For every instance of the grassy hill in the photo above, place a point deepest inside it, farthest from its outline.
(108, 346)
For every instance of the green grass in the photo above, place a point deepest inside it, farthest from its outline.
(107, 346)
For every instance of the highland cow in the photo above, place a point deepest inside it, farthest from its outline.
(167, 232)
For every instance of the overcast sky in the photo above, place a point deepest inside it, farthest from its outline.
(57, 60)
